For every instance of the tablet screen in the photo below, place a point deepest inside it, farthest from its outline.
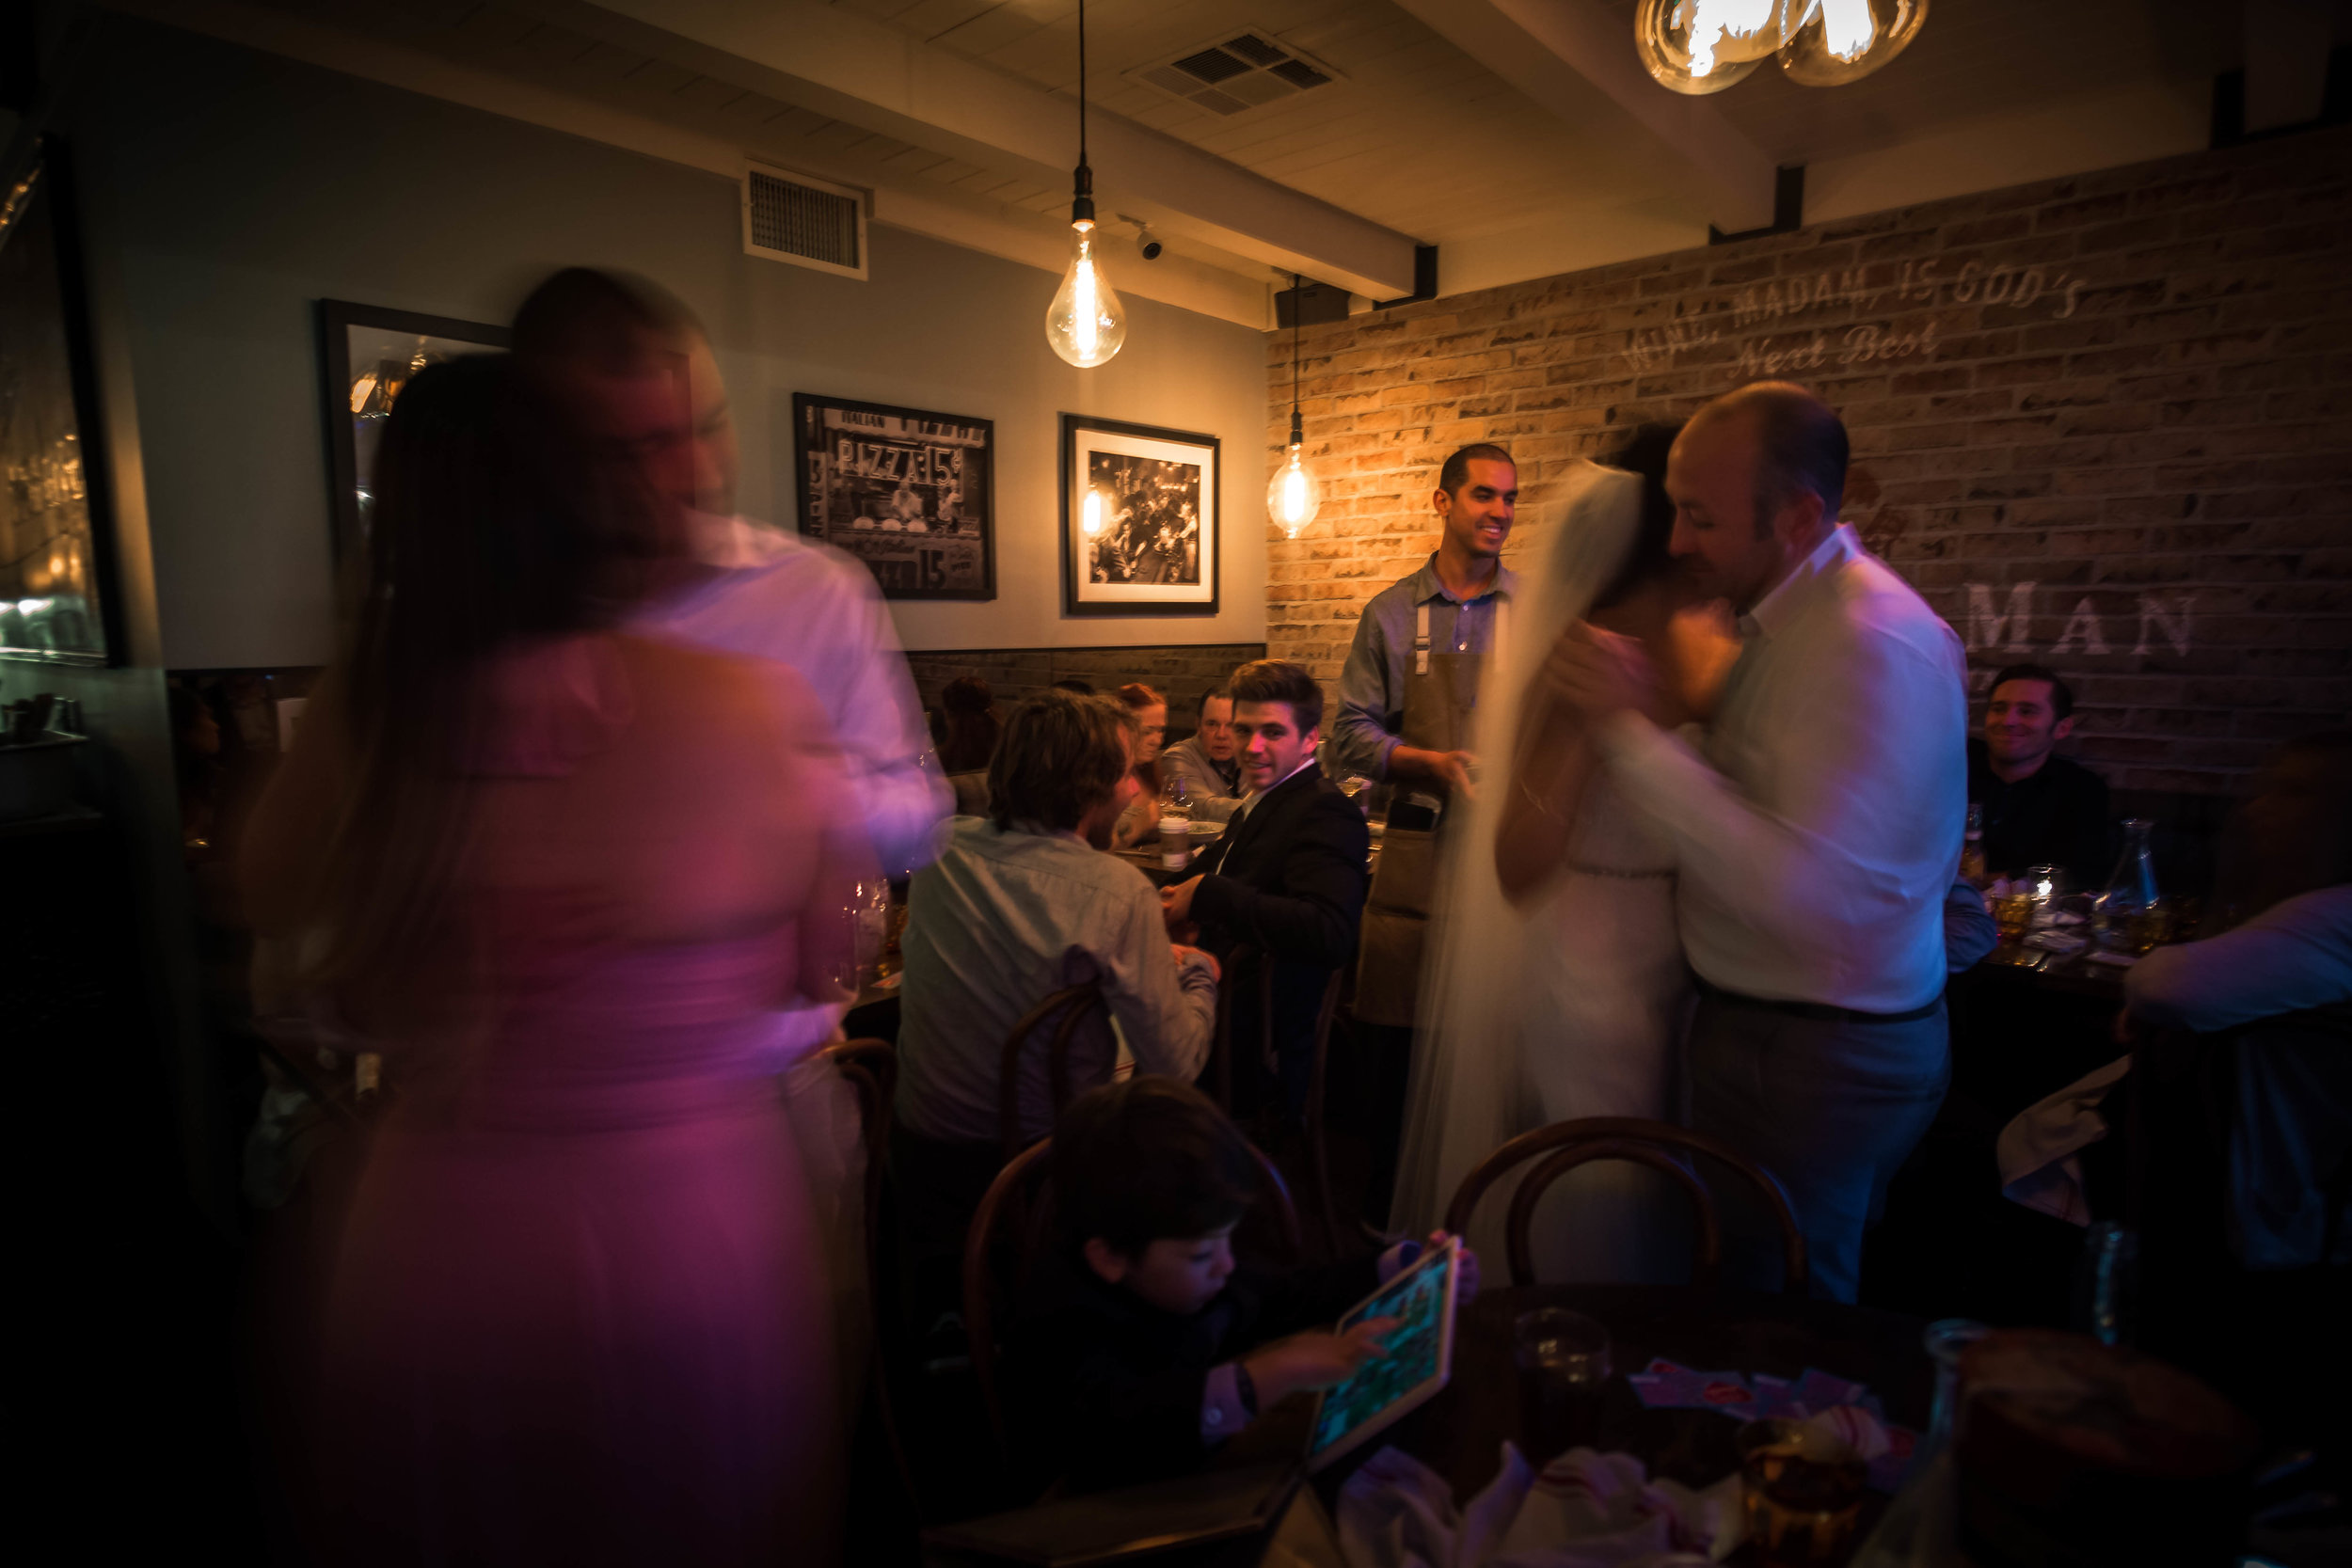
(1419, 1356)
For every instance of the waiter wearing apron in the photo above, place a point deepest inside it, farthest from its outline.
(1407, 695)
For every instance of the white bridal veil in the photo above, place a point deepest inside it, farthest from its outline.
(1467, 1093)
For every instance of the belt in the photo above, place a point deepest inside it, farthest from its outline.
(1820, 1012)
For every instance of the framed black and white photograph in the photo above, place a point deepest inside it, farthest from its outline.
(911, 494)
(369, 355)
(1140, 517)
(57, 593)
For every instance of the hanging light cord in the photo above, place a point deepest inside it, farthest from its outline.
(1082, 179)
(1298, 316)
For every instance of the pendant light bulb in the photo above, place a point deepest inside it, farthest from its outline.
(1087, 322)
(1296, 495)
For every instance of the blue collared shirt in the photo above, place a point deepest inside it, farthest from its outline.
(1372, 684)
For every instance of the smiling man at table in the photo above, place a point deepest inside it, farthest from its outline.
(1286, 880)
(2039, 808)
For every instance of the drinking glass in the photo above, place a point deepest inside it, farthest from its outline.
(868, 916)
(2013, 914)
(2151, 927)
(2045, 883)
(1563, 1359)
(1801, 1492)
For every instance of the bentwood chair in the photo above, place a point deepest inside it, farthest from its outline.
(1659, 1144)
(1065, 1011)
(1219, 1075)
(1018, 1211)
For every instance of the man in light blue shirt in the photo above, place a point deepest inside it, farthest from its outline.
(1021, 904)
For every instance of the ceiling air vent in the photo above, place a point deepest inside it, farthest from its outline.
(1235, 74)
(810, 223)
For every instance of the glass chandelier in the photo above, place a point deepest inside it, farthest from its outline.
(1295, 495)
(1701, 46)
(1086, 323)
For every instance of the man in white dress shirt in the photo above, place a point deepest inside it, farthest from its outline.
(1816, 830)
(643, 368)
(642, 371)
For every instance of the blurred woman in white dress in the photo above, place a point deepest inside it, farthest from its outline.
(1557, 987)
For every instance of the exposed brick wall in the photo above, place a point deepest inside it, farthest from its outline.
(2131, 390)
(1182, 671)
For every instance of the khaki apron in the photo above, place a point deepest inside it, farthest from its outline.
(1440, 698)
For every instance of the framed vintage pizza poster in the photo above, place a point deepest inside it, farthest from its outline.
(1139, 519)
(911, 494)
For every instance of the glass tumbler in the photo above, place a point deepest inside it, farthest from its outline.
(1563, 1361)
(1802, 1494)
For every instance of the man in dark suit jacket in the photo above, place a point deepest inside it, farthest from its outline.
(1287, 880)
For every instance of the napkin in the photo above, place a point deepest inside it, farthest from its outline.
(1584, 1510)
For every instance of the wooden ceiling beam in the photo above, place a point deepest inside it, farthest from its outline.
(858, 69)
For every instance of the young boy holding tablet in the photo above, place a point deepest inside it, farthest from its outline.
(1140, 1347)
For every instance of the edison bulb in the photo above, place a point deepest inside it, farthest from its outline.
(1085, 323)
(1835, 41)
(1295, 495)
(1090, 514)
(1702, 46)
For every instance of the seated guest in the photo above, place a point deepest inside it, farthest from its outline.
(2039, 808)
(1141, 822)
(2296, 952)
(1205, 760)
(969, 708)
(1140, 1346)
(969, 741)
(1019, 905)
(1287, 877)
(1074, 686)
(2293, 956)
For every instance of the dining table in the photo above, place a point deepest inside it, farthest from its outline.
(1459, 1433)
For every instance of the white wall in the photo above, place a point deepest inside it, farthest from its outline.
(235, 189)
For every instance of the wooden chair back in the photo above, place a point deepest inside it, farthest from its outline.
(1654, 1143)
(1318, 1092)
(1013, 1204)
(1220, 1072)
(1071, 1006)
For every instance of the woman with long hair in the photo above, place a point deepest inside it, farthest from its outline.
(1560, 990)
(557, 875)
(1142, 818)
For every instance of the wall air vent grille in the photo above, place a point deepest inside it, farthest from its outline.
(1236, 74)
(810, 223)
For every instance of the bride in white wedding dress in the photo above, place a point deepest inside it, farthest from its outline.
(1557, 987)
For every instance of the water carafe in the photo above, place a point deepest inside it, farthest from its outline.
(2131, 892)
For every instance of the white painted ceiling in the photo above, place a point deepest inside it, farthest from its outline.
(1510, 176)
